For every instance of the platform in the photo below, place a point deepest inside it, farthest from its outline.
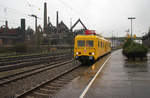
(122, 79)
(118, 79)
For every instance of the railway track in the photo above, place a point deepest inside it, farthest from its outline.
(49, 87)
(16, 85)
(30, 70)
(11, 58)
(14, 60)
(30, 62)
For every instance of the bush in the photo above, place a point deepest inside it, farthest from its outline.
(133, 50)
(127, 43)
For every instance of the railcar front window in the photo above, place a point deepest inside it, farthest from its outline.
(89, 43)
(81, 43)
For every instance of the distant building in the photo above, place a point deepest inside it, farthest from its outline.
(57, 35)
(11, 36)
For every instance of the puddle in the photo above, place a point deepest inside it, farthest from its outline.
(136, 66)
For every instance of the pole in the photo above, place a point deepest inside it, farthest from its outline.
(70, 23)
(131, 24)
(35, 24)
(112, 40)
(131, 28)
(45, 17)
(57, 21)
(35, 28)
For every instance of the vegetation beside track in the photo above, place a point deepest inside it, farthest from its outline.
(45, 50)
(133, 50)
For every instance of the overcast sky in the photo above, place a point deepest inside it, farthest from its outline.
(104, 16)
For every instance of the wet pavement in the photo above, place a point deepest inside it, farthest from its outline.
(118, 79)
(77, 85)
(122, 79)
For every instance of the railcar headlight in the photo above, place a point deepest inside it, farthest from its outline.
(93, 53)
(77, 53)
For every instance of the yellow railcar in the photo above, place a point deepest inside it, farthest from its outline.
(90, 47)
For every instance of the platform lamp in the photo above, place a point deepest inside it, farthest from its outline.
(131, 18)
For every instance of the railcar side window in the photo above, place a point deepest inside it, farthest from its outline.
(89, 43)
(81, 43)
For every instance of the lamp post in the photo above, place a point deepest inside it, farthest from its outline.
(131, 18)
(32, 15)
(37, 38)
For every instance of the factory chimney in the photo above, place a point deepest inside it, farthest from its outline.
(57, 21)
(6, 24)
(48, 20)
(45, 16)
(23, 26)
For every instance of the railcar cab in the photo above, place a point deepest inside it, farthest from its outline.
(84, 48)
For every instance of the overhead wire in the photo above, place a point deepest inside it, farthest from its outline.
(8, 10)
(12, 10)
(69, 7)
(62, 2)
(2, 21)
(80, 16)
(31, 6)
